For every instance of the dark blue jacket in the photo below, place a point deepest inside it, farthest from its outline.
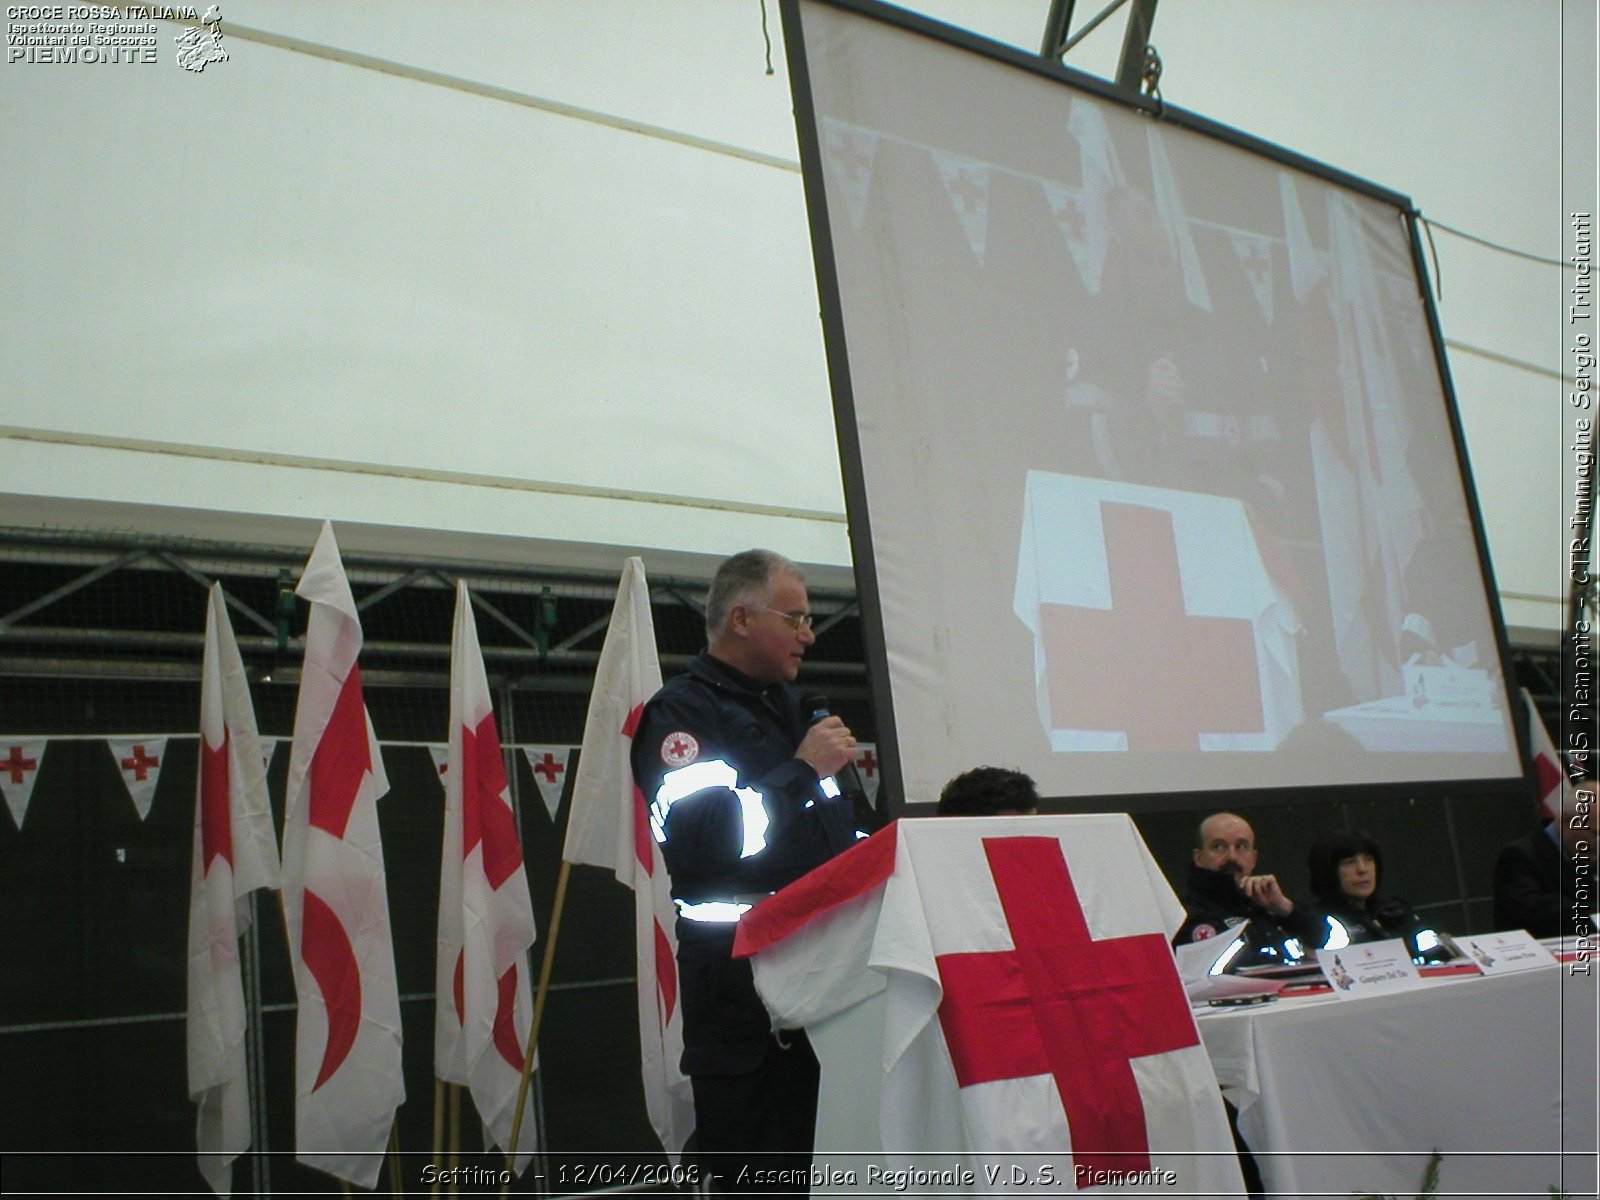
(713, 756)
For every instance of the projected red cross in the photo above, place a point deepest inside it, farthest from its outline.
(867, 764)
(140, 763)
(1064, 1005)
(17, 765)
(1147, 667)
(548, 767)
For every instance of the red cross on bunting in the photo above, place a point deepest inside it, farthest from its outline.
(140, 763)
(867, 764)
(17, 765)
(548, 767)
(1147, 667)
(1064, 1004)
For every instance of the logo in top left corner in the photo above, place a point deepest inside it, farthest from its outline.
(201, 45)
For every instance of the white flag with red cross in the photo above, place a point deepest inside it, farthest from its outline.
(483, 1005)
(1549, 779)
(139, 763)
(348, 1079)
(1101, 565)
(19, 770)
(1035, 1014)
(549, 767)
(235, 852)
(607, 827)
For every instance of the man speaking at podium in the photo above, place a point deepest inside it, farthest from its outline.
(738, 773)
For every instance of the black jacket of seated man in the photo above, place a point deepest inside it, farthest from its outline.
(1215, 905)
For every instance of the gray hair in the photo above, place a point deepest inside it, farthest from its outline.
(743, 579)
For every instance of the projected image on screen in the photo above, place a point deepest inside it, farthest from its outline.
(1160, 476)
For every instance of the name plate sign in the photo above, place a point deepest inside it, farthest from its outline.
(1369, 969)
(1503, 953)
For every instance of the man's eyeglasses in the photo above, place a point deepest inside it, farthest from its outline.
(798, 621)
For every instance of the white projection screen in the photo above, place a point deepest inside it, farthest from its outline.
(1154, 480)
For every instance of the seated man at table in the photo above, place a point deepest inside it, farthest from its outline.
(1545, 882)
(1223, 890)
(989, 792)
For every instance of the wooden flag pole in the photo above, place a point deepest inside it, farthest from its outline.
(438, 1126)
(397, 1183)
(455, 1139)
(539, 995)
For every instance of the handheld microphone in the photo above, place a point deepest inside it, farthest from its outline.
(816, 708)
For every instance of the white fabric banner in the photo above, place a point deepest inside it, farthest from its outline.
(235, 852)
(348, 1079)
(606, 827)
(139, 762)
(19, 770)
(483, 1009)
(441, 761)
(1033, 1005)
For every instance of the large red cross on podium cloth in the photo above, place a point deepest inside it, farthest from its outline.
(1065, 1005)
(1084, 1034)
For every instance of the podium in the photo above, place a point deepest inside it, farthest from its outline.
(996, 1010)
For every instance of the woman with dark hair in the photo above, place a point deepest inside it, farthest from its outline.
(1346, 871)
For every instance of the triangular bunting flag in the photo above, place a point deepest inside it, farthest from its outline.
(139, 760)
(19, 768)
(1255, 255)
(1082, 217)
(441, 761)
(867, 767)
(852, 153)
(966, 182)
(269, 747)
(549, 767)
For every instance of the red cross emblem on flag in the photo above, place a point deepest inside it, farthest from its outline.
(1063, 1004)
(548, 767)
(867, 764)
(18, 765)
(140, 763)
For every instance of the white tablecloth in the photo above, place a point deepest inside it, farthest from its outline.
(1499, 1074)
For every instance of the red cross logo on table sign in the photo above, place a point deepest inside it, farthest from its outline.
(548, 767)
(140, 763)
(1146, 667)
(17, 765)
(1065, 1005)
